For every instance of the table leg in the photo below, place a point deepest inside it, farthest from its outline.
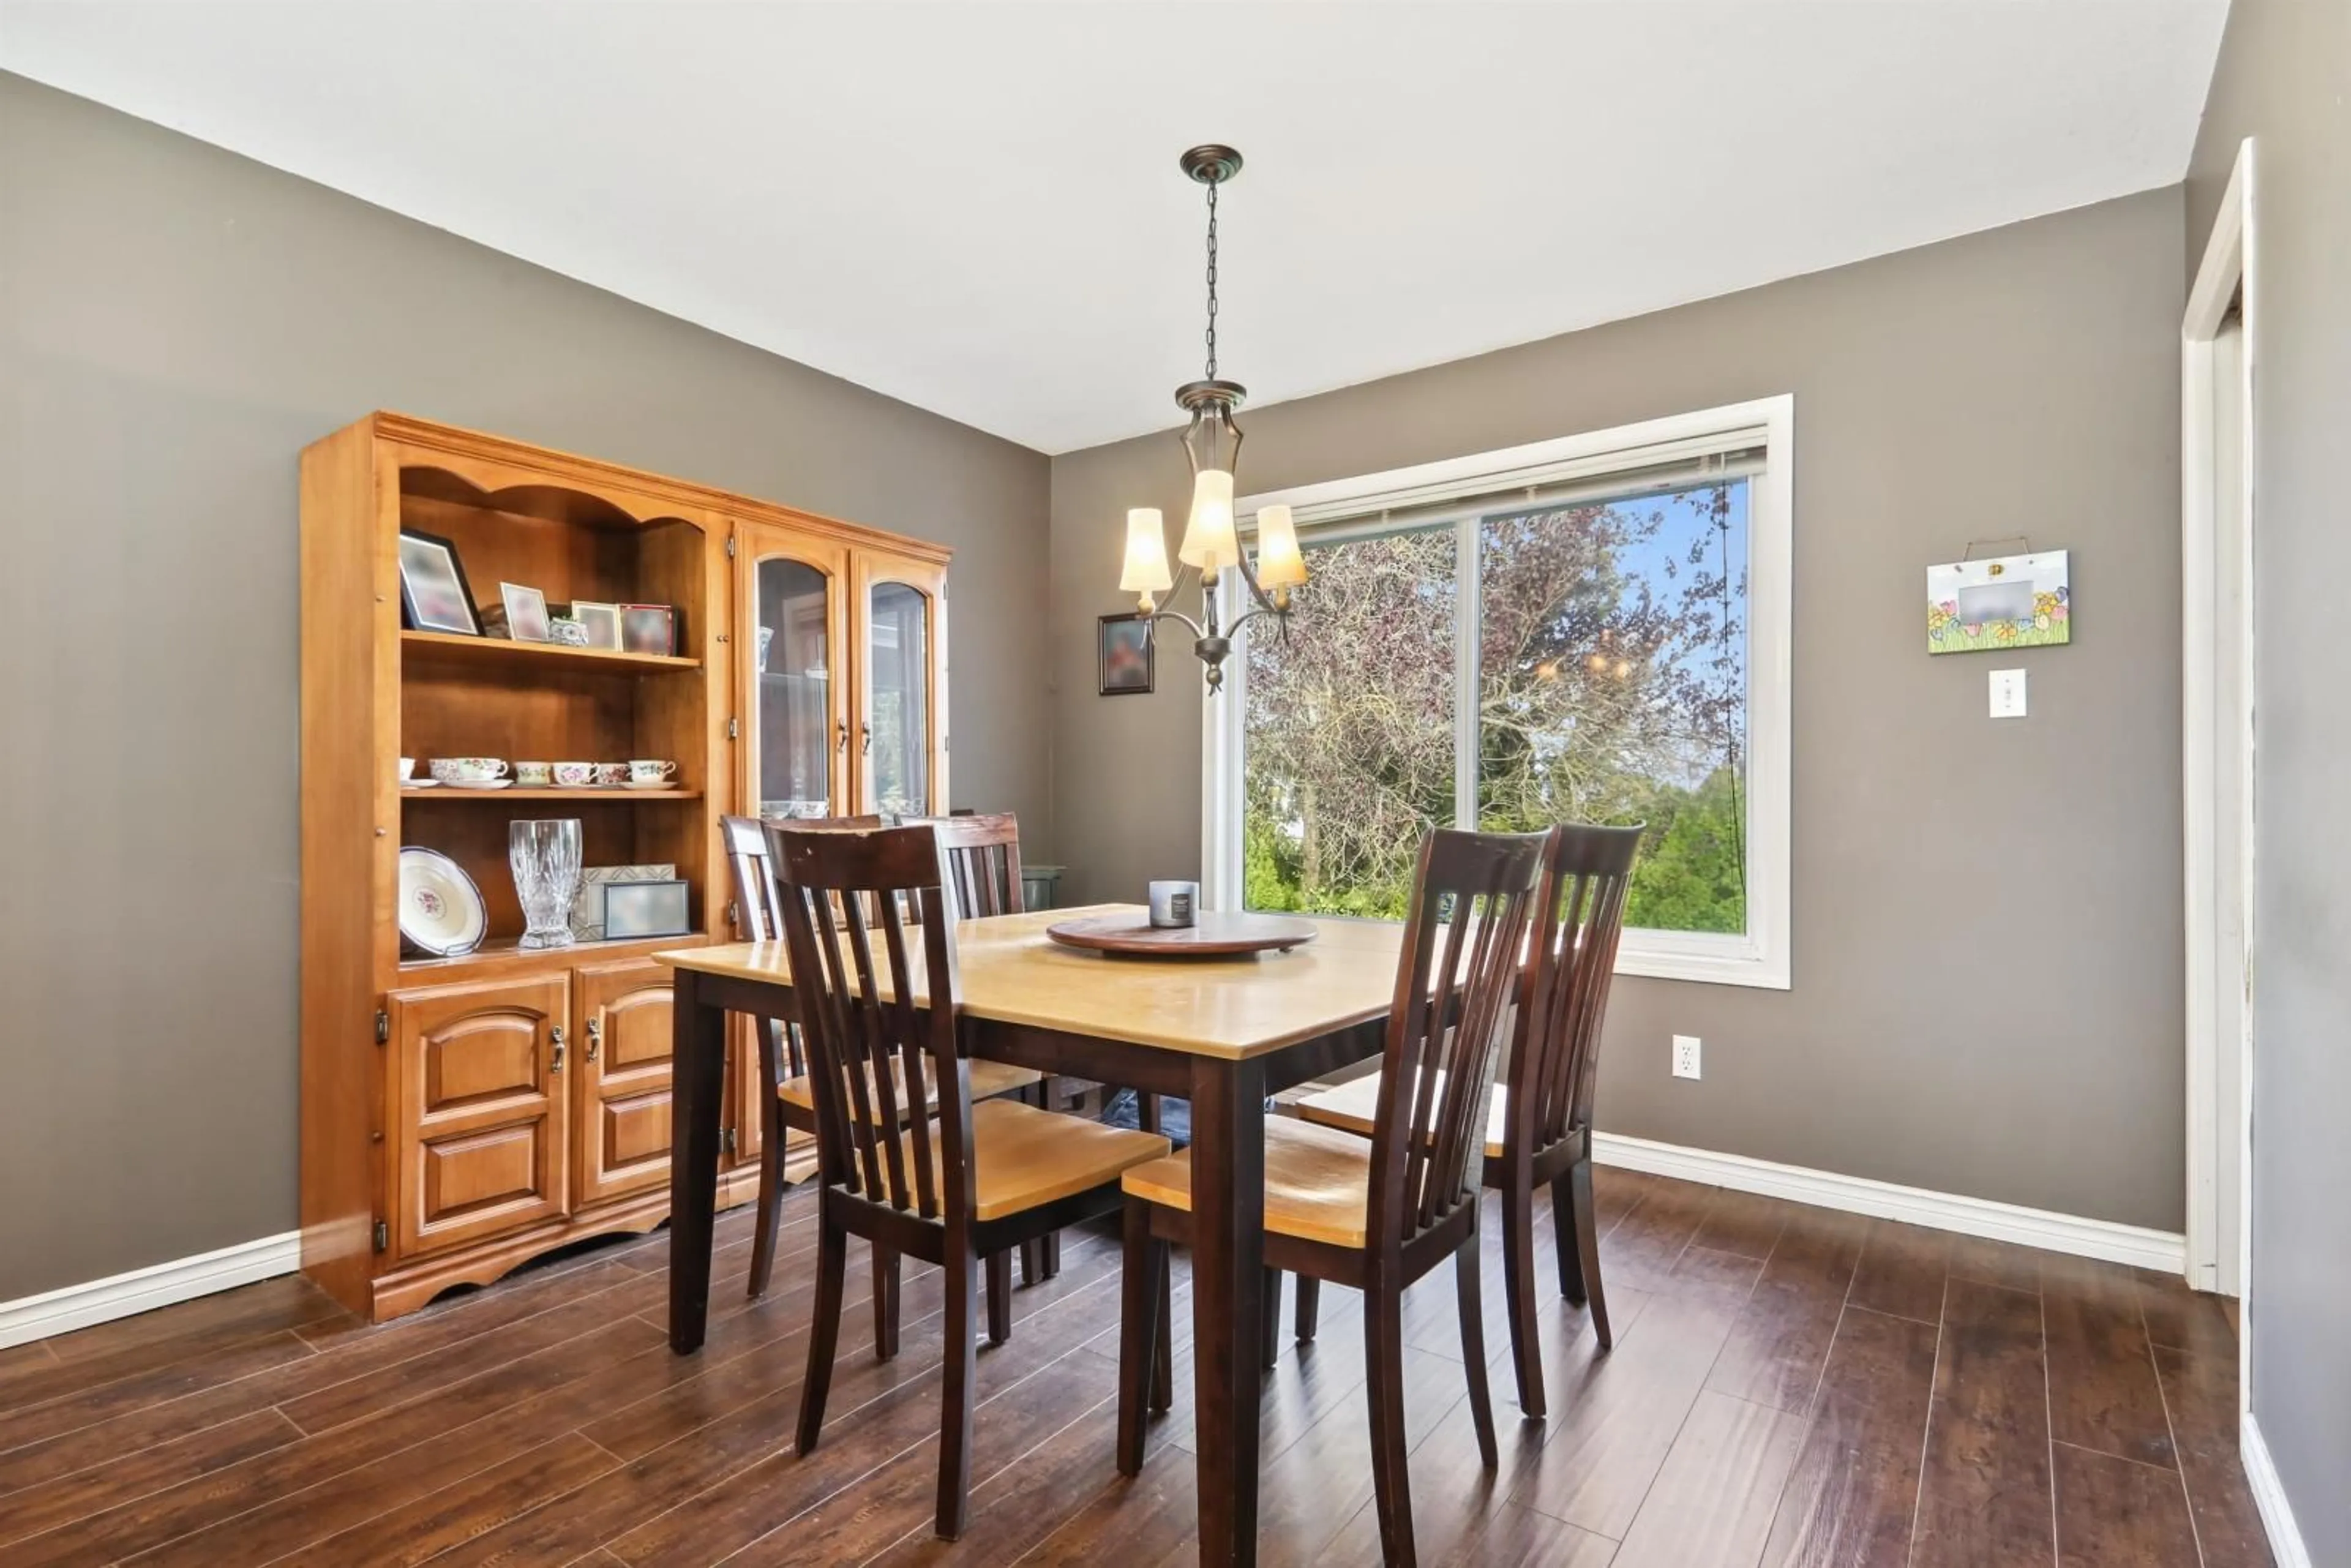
(1228, 1258)
(698, 1069)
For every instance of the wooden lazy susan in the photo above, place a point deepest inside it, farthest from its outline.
(1214, 934)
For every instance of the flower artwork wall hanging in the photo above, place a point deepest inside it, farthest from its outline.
(2005, 601)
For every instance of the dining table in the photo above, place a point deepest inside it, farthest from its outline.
(1224, 1033)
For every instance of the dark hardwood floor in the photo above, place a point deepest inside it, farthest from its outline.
(1788, 1386)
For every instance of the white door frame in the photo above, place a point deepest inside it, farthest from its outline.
(2216, 378)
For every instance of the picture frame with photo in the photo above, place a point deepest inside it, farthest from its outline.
(649, 629)
(526, 619)
(433, 593)
(602, 622)
(1123, 656)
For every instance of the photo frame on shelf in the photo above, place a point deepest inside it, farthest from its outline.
(433, 593)
(527, 620)
(634, 910)
(602, 622)
(649, 628)
(1123, 656)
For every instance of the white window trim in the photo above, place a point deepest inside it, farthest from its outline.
(1760, 958)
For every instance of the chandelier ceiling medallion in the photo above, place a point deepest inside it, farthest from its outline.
(1212, 444)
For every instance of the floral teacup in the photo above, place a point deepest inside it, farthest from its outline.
(575, 775)
(539, 774)
(468, 769)
(649, 770)
(612, 773)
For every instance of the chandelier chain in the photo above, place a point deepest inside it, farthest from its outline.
(1212, 282)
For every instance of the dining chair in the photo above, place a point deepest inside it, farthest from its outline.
(982, 853)
(1377, 1213)
(971, 1182)
(786, 1101)
(1538, 1132)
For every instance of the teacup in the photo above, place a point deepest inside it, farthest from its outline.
(541, 774)
(612, 773)
(408, 767)
(575, 775)
(650, 769)
(468, 769)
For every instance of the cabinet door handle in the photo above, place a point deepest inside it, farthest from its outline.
(557, 1065)
(595, 1037)
(868, 728)
(842, 726)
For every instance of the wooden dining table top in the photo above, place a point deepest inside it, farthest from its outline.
(1009, 972)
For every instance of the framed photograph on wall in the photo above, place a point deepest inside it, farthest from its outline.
(649, 628)
(602, 622)
(1123, 656)
(433, 593)
(526, 613)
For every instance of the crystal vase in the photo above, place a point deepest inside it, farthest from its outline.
(545, 857)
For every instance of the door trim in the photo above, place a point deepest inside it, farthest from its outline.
(2219, 842)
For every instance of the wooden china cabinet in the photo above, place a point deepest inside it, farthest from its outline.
(462, 1115)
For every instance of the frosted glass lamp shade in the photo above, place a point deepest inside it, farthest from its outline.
(1146, 553)
(1278, 564)
(1208, 539)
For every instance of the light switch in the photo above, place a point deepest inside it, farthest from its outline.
(2008, 694)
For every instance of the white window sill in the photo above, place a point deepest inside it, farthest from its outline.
(1707, 960)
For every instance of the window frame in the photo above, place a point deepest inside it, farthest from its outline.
(1761, 957)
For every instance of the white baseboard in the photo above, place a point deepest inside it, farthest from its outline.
(2269, 1496)
(2164, 1250)
(142, 1289)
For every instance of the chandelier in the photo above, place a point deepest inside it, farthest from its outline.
(1212, 443)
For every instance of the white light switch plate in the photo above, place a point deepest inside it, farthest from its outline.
(2008, 694)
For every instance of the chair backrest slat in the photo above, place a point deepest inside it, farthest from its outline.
(1556, 1062)
(1474, 900)
(893, 1099)
(758, 915)
(983, 861)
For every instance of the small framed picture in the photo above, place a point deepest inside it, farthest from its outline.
(602, 621)
(526, 613)
(649, 628)
(433, 593)
(1123, 652)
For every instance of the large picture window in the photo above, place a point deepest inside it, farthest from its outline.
(1589, 629)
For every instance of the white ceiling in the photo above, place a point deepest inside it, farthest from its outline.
(976, 207)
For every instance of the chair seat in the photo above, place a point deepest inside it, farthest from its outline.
(1353, 1105)
(1023, 1158)
(1318, 1182)
(988, 1079)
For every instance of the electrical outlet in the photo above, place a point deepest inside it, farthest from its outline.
(1685, 1056)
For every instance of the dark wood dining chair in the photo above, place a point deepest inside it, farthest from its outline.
(1381, 1213)
(785, 1100)
(972, 1182)
(1538, 1132)
(982, 852)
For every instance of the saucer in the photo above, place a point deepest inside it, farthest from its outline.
(420, 783)
(478, 783)
(650, 784)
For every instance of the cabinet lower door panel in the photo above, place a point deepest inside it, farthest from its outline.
(480, 1113)
(624, 1079)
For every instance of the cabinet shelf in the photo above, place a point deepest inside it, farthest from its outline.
(454, 649)
(502, 953)
(586, 796)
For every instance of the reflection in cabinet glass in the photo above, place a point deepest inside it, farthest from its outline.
(898, 742)
(795, 716)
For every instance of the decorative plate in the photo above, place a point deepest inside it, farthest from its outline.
(440, 911)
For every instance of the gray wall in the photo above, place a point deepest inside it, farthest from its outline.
(2023, 1047)
(176, 324)
(2285, 79)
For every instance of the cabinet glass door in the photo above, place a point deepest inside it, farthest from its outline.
(898, 698)
(796, 735)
